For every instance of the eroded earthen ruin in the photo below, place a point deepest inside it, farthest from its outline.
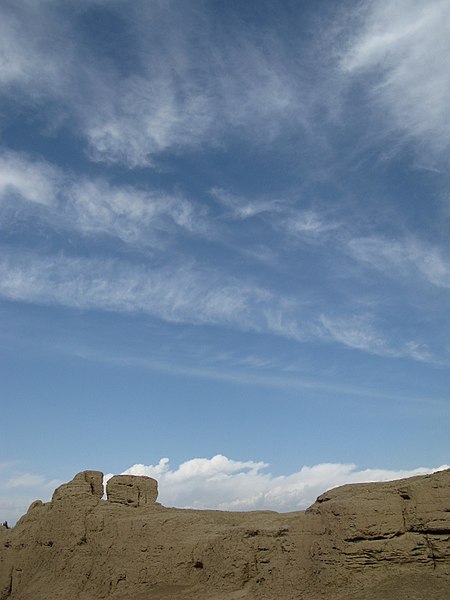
(377, 541)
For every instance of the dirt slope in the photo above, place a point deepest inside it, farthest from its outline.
(378, 541)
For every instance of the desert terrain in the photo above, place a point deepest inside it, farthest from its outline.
(376, 541)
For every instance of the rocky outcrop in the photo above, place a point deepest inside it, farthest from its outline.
(84, 485)
(132, 490)
(384, 529)
(370, 541)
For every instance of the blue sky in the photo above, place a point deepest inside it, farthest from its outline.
(223, 233)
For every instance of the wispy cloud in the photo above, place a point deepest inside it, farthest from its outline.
(33, 181)
(405, 45)
(359, 333)
(240, 207)
(196, 86)
(355, 332)
(191, 84)
(406, 258)
(183, 292)
(307, 224)
(175, 293)
(266, 373)
(129, 213)
(38, 191)
(226, 484)
(21, 57)
(286, 215)
(171, 101)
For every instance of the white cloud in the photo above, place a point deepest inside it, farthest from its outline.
(282, 214)
(355, 332)
(36, 190)
(358, 332)
(128, 213)
(181, 291)
(193, 85)
(404, 258)
(182, 109)
(226, 484)
(306, 224)
(407, 44)
(197, 86)
(185, 293)
(240, 207)
(145, 117)
(190, 86)
(18, 61)
(177, 293)
(32, 181)
(177, 289)
(215, 483)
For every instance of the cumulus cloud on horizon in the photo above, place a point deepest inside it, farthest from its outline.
(218, 483)
(226, 484)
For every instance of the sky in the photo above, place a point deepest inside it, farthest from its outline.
(224, 248)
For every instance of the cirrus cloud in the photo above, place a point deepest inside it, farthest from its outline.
(405, 45)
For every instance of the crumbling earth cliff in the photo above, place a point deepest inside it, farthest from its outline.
(377, 541)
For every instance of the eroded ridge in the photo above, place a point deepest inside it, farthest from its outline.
(368, 541)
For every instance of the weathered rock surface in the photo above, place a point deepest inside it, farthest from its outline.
(380, 541)
(83, 485)
(132, 490)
